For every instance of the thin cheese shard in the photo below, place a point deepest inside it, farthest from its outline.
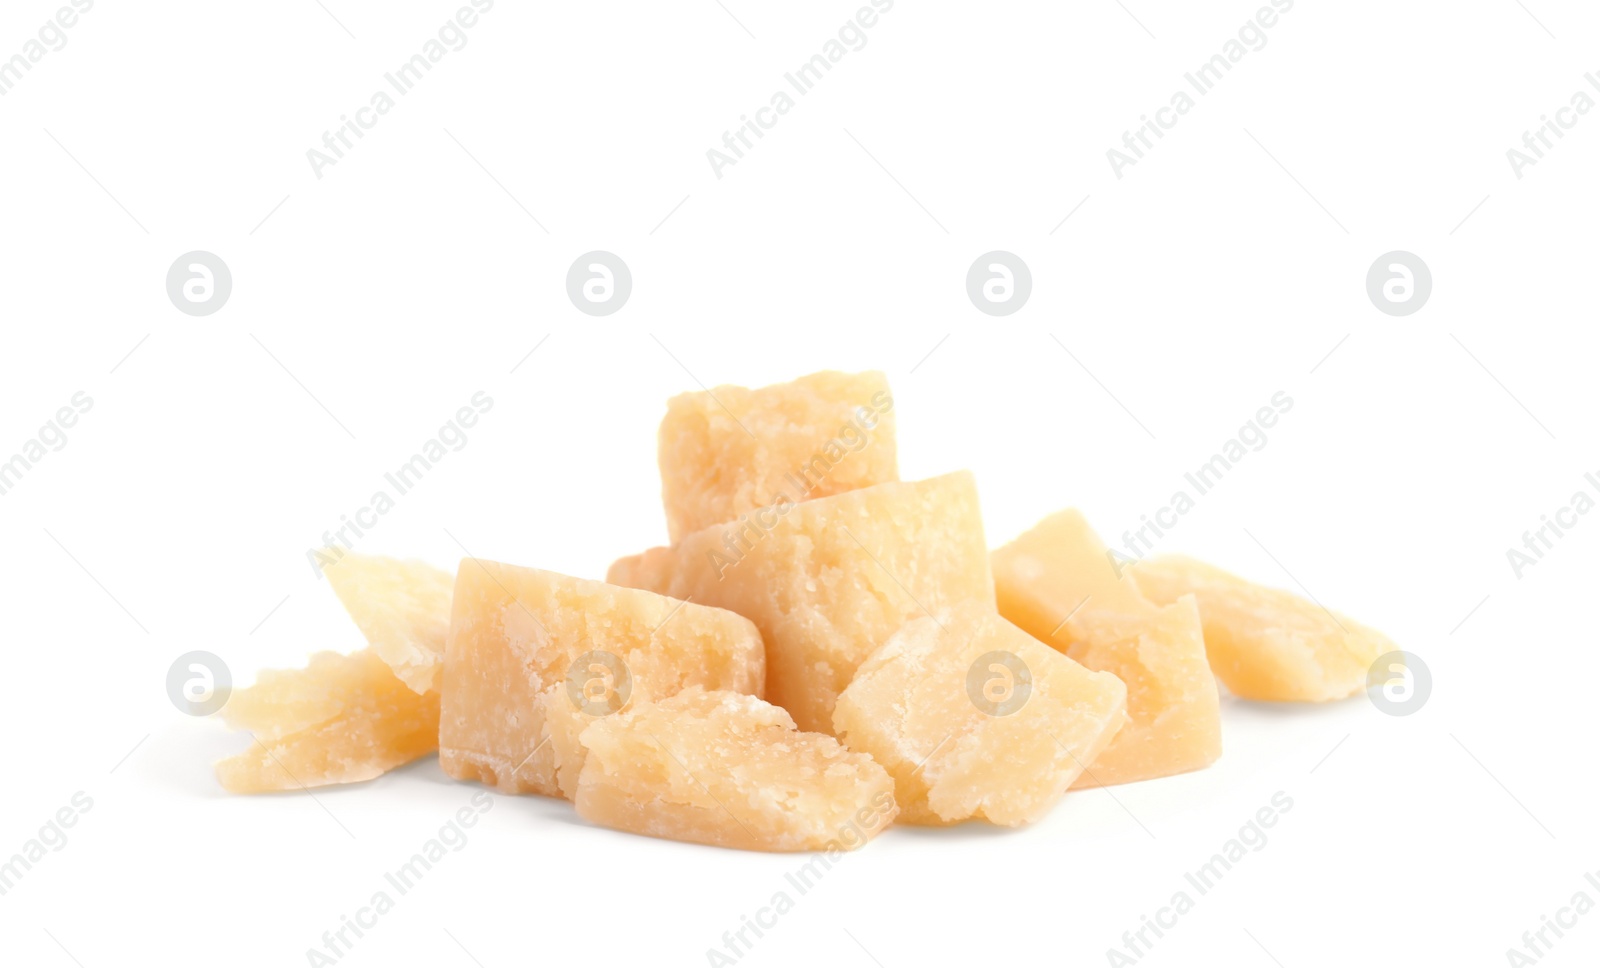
(403, 609)
(728, 451)
(730, 770)
(827, 581)
(534, 658)
(1057, 584)
(1266, 643)
(974, 718)
(342, 719)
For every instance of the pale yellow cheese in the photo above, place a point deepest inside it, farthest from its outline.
(1266, 643)
(727, 451)
(403, 609)
(974, 718)
(342, 719)
(728, 769)
(827, 581)
(1057, 583)
(650, 570)
(515, 696)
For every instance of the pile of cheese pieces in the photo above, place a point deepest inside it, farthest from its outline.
(823, 649)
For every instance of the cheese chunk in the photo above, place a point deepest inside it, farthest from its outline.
(728, 769)
(728, 451)
(827, 581)
(342, 719)
(403, 609)
(974, 718)
(1265, 643)
(1057, 584)
(651, 570)
(534, 657)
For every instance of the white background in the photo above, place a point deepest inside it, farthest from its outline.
(375, 301)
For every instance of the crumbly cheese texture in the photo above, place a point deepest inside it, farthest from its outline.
(730, 770)
(1057, 584)
(912, 706)
(509, 715)
(1266, 643)
(403, 609)
(728, 451)
(342, 719)
(827, 581)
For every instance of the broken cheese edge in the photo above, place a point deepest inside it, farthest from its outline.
(401, 607)
(912, 707)
(1057, 583)
(509, 718)
(650, 570)
(342, 719)
(728, 451)
(730, 770)
(1174, 710)
(1266, 643)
